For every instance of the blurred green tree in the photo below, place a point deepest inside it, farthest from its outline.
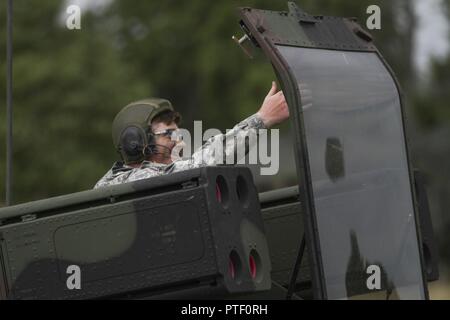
(67, 86)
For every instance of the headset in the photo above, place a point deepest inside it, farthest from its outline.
(131, 131)
(137, 144)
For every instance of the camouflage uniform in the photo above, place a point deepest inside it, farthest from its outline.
(205, 156)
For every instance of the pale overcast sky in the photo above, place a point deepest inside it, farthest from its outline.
(432, 37)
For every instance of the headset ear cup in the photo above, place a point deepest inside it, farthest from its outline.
(132, 143)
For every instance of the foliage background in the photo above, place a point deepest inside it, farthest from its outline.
(68, 86)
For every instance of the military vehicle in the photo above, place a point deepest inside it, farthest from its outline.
(356, 226)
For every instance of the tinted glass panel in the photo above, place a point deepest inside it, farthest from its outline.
(359, 171)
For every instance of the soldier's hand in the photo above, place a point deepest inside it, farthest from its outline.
(274, 109)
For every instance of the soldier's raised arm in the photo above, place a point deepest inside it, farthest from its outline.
(217, 149)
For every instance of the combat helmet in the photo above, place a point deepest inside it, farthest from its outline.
(131, 130)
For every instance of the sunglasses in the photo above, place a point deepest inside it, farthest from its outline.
(174, 134)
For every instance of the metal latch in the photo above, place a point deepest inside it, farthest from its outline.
(189, 184)
(241, 42)
(28, 217)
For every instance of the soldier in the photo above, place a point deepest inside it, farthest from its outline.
(143, 133)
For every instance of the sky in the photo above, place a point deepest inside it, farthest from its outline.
(432, 36)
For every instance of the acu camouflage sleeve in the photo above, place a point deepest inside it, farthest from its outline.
(225, 148)
(123, 176)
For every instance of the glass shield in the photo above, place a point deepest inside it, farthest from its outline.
(359, 172)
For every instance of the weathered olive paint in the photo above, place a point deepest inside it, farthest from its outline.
(294, 31)
(138, 237)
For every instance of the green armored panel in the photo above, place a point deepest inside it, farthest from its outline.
(202, 226)
(353, 167)
(283, 220)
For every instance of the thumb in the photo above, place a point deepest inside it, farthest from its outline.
(273, 90)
